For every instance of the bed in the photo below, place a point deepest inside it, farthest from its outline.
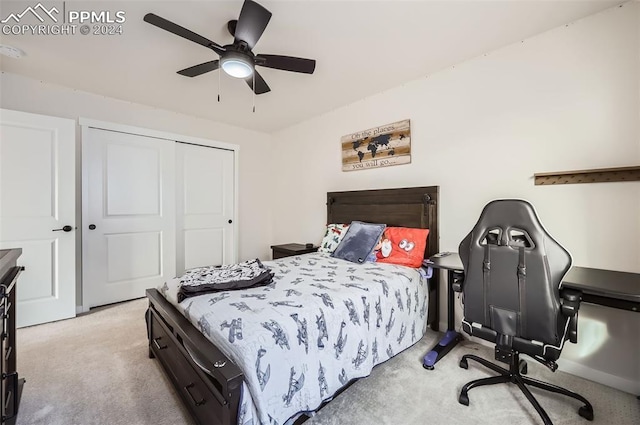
(293, 363)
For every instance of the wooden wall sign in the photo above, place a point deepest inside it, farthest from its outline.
(377, 147)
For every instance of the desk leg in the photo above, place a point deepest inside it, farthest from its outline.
(452, 337)
(450, 340)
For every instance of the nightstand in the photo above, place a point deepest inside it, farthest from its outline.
(290, 249)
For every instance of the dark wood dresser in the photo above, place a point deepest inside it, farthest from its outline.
(11, 387)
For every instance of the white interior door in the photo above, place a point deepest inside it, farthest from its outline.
(37, 196)
(205, 206)
(128, 215)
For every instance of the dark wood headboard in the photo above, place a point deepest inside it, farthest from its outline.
(404, 207)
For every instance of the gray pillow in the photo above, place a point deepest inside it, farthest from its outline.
(359, 241)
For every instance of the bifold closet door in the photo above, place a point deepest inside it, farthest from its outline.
(128, 215)
(204, 206)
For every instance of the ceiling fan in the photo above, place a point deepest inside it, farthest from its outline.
(237, 59)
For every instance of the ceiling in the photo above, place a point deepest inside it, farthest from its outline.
(361, 48)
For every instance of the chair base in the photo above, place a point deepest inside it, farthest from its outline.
(517, 368)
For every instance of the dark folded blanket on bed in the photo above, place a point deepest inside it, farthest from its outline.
(203, 280)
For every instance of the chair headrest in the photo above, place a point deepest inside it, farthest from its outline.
(515, 223)
(511, 222)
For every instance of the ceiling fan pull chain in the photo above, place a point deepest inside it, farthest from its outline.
(254, 92)
(219, 86)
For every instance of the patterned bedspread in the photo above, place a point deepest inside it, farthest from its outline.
(321, 323)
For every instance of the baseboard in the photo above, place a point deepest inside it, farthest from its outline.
(617, 382)
(80, 309)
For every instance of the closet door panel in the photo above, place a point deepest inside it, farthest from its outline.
(136, 168)
(203, 247)
(205, 206)
(128, 215)
(132, 256)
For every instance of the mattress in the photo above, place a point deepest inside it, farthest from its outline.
(322, 323)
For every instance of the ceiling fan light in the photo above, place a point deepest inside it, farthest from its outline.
(236, 65)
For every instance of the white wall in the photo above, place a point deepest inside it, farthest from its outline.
(564, 100)
(29, 95)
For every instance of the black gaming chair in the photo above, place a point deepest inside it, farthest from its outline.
(513, 297)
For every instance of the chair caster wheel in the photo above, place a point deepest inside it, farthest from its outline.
(464, 364)
(522, 367)
(586, 412)
(427, 366)
(463, 399)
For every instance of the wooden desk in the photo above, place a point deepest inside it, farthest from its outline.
(603, 287)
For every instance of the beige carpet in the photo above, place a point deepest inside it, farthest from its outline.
(402, 392)
(94, 369)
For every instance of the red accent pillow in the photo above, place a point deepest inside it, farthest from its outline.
(407, 246)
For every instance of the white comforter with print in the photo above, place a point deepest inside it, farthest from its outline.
(322, 323)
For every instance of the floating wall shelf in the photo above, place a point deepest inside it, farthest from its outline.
(600, 175)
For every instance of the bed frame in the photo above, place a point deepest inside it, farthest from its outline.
(406, 207)
(208, 382)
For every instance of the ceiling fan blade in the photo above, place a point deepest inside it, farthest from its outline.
(287, 63)
(196, 70)
(251, 23)
(182, 32)
(261, 85)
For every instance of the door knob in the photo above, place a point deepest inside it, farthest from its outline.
(230, 221)
(66, 228)
(92, 227)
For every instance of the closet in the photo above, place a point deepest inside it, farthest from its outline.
(151, 208)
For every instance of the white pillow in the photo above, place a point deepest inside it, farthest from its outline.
(332, 237)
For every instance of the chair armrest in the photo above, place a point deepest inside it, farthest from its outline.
(570, 305)
(570, 301)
